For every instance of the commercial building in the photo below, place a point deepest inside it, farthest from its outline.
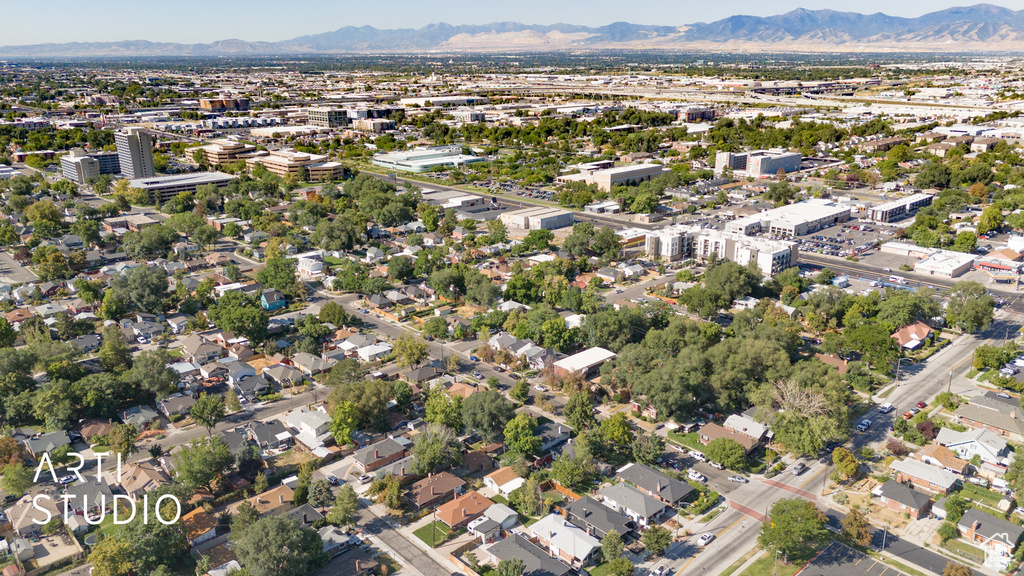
(224, 151)
(537, 218)
(443, 101)
(135, 152)
(288, 162)
(899, 209)
(758, 162)
(375, 125)
(622, 175)
(424, 159)
(82, 168)
(792, 220)
(469, 116)
(681, 242)
(167, 187)
(583, 363)
(223, 104)
(945, 263)
(697, 114)
(325, 117)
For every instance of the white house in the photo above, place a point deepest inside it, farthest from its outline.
(984, 443)
(374, 352)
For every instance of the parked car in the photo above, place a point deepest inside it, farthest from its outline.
(540, 388)
(694, 475)
(864, 425)
(717, 466)
(705, 539)
(478, 376)
(474, 358)
(698, 456)
(921, 405)
(886, 408)
(332, 480)
(908, 415)
(365, 479)
(738, 479)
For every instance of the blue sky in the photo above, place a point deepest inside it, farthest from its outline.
(27, 22)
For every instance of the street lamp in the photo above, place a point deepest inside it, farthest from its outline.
(949, 386)
(899, 363)
(776, 570)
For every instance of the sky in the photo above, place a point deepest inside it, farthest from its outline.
(191, 21)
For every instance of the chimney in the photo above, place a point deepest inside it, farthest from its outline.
(559, 429)
(304, 518)
(659, 485)
(280, 498)
(376, 454)
(402, 471)
(463, 512)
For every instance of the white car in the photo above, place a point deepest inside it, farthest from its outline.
(705, 539)
(697, 476)
(698, 456)
(886, 408)
(540, 388)
(864, 425)
(142, 339)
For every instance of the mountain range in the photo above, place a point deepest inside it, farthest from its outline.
(983, 27)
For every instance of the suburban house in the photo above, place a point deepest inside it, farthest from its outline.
(200, 526)
(198, 350)
(459, 512)
(1002, 416)
(89, 497)
(138, 478)
(311, 364)
(252, 386)
(712, 431)
(938, 455)
(503, 481)
(985, 444)
(564, 540)
(745, 424)
(140, 416)
(584, 363)
(924, 476)
(551, 434)
(277, 500)
(92, 427)
(271, 300)
(536, 562)
(904, 499)
(998, 537)
(597, 519)
(655, 483)
(270, 434)
(47, 442)
(912, 336)
(388, 450)
(433, 490)
(641, 507)
(177, 405)
(87, 343)
(313, 426)
(284, 375)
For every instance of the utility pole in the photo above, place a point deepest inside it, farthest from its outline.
(949, 386)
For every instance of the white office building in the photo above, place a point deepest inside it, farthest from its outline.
(537, 218)
(135, 152)
(792, 220)
(680, 242)
(758, 163)
(899, 209)
(424, 159)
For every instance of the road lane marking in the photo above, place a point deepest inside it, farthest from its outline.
(683, 569)
(816, 474)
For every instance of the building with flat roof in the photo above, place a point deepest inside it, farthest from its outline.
(327, 117)
(287, 162)
(82, 168)
(899, 209)
(945, 263)
(610, 177)
(222, 104)
(167, 187)
(583, 362)
(224, 151)
(374, 125)
(443, 101)
(792, 220)
(758, 162)
(135, 152)
(424, 159)
(537, 218)
(680, 242)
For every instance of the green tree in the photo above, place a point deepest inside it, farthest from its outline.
(855, 527)
(241, 314)
(344, 422)
(320, 495)
(16, 479)
(343, 513)
(656, 539)
(114, 353)
(112, 557)
(875, 343)
(143, 286)
(795, 527)
(123, 439)
(199, 463)
(579, 411)
(520, 436)
(616, 430)
(7, 334)
(948, 531)
(279, 274)
(970, 307)
(513, 567)
(443, 409)
(150, 372)
(279, 546)
(647, 448)
(520, 391)
(727, 452)
(487, 413)
(621, 567)
(435, 448)
(409, 350)
(207, 411)
(612, 545)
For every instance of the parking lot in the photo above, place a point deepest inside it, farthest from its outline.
(841, 560)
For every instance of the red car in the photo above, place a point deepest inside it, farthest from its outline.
(921, 405)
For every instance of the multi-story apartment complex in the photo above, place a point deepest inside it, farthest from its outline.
(165, 188)
(680, 242)
(287, 162)
(82, 168)
(899, 209)
(758, 162)
(135, 152)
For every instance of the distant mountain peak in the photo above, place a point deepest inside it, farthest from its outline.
(981, 27)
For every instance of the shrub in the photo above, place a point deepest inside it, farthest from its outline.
(947, 531)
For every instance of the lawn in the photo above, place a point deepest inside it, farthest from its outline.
(691, 439)
(499, 499)
(765, 566)
(433, 534)
(555, 496)
(601, 570)
(966, 550)
(982, 495)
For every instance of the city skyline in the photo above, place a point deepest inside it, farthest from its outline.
(195, 22)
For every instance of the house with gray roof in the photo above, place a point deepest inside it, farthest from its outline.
(655, 483)
(998, 537)
(311, 364)
(381, 453)
(46, 442)
(904, 499)
(597, 519)
(89, 497)
(140, 416)
(536, 561)
(178, 404)
(642, 508)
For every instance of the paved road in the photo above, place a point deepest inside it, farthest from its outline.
(410, 555)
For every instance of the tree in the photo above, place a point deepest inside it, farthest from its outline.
(279, 546)
(621, 567)
(579, 411)
(409, 350)
(520, 437)
(611, 545)
(727, 452)
(144, 287)
(241, 314)
(434, 448)
(855, 527)
(400, 268)
(443, 410)
(114, 353)
(123, 440)
(616, 430)
(875, 343)
(199, 463)
(656, 539)
(207, 411)
(520, 391)
(344, 422)
(647, 448)
(948, 531)
(955, 569)
(320, 495)
(343, 513)
(956, 506)
(388, 491)
(970, 307)
(7, 334)
(487, 413)
(795, 527)
(280, 275)
(150, 372)
(513, 567)
(112, 557)
(154, 543)
(17, 479)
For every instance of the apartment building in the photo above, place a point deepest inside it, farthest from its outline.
(758, 162)
(82, 168)
(135, 152)
(288, 162)
(899, 209)
(224, 151)
(167, 187)
(680, 242)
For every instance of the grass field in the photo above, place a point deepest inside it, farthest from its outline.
(765, 566)
(433, 534)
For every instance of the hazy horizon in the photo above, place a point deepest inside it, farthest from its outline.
(190, 21)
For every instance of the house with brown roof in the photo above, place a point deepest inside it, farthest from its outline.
(433, 490)
(277, 500)
(712, 431)
(942, 457)
(464, 509)
(140, 477)
(464, 390)
(199, 525)
(18, 315)
(912, 336)
(503, 481)
(93, 427)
